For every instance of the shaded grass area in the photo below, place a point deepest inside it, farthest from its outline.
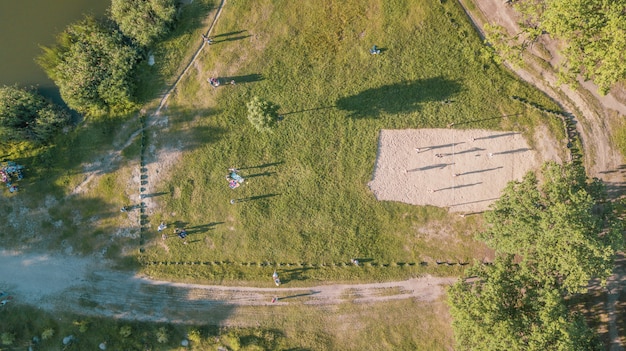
(306, 198)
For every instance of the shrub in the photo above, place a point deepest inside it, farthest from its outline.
(162, 336)
(144, 21)
(126, 331)
(47, 334)
(262, 114)
(7, 338)
(27, 116)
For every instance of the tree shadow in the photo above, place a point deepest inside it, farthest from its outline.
(308, 110)
(399, 97)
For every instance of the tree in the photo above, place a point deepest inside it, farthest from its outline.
(593, 32)
(262, 114)
(564, 231)
(503, 308)
(143, 20)
(92, 66)
(27, 116)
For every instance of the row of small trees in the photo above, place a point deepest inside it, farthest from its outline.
(551, 238)
(93, 64)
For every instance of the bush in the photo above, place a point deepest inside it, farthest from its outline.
(262, 114)
(47, 334)
(27, 116)
(143, 21)
(162, 336)
(126, 331)
(7, 338)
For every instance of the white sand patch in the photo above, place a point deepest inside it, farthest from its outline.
(463, 170)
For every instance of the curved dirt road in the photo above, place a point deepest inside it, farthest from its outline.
(85, 286)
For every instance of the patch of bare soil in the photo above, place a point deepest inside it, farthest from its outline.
(463, 170)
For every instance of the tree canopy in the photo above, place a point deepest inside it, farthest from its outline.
(562, 228)
(504, 308)
(551, 234)
(27, 116)
(593, 33)
(92, 66)
(143, 20)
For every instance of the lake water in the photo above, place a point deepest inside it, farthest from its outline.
(27, 24)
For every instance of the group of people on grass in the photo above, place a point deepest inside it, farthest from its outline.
(234, 179)
(10, 172)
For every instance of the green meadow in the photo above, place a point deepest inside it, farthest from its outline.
(306, 201)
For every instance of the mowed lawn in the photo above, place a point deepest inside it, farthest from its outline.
(305, 198)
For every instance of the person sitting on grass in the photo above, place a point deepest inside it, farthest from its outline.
(374, 50)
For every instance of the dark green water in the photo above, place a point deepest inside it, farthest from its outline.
(26, 24)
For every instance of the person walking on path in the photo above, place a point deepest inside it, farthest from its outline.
(276, 280)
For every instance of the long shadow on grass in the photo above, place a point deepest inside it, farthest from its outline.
(398, 97)
(253, 198)
(265, 165)
(248, 78)
(295, 274)
(203, 228)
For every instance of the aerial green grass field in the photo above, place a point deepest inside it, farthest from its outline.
(305, 199)
(305, 208)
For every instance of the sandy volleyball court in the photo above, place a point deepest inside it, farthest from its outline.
(463, 170)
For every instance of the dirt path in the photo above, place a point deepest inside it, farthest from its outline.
(86, 286)
(591, 110)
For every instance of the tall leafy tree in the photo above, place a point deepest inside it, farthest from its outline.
(92, 66)
(563, 229)
(593, 33)
(502, 307)
(26, 115)
(143, 20)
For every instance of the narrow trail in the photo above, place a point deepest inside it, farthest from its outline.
(85, 286)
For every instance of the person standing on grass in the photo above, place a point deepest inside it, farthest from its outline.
(276, 280)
